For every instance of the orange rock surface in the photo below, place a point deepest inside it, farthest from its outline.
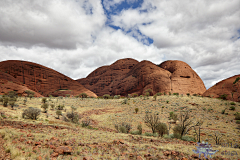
(224, 87)
(128, 76)
(42, 80)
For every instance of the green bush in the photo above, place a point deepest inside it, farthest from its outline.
(167, 101)
(155, 97)
(188, 138)
(151, 134)
(60, 107)
(139, 127)
(116, 97)
(135, 132)
(238, 121)
(177, 130)
(188, 94)
(176, 94)
(232, 108)
(136, 110)
(44, 100)
(161, 129)
(166, 136)
(159, 94)
(237, 116)
(224, 96)
(232, 103)
(106, 96)
(169, 93)
(120, 127)
(125, 101)
(45, 107)
(223, 111)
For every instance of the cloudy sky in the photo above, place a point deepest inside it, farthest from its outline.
(75, 37)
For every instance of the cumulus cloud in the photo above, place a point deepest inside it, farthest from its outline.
(54, 24)
(74, 37)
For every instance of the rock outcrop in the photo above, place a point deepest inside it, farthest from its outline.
(225, 87)
(127, 76)
(41, 79)
(9, 83)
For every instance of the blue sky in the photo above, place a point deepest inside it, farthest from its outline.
(76, 37)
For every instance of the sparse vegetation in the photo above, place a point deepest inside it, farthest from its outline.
(31, 113)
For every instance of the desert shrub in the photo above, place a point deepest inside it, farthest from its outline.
(164, 93)
(1, 99)
(188, 138)
(85, 122)
(155, 97)
(176, 94)
(52, 106)
(237, 116)
(5, 101)
(223, 111)
(147, 94)
(58, 113)
(169, 93)
(159, 94)
(195, 94)
(232, 108)
(60, 107)
(139, 127)
(188, 94)
(83, 95)
(171, 114)
(120, 127)
(31, 113)
(238, 121)
(151, 120)
(72, 116)
(135, 132)
(45, 107)
(224, 96)
(106, 96)
(151, 134)
(125, 101)
(136, 110)
(166, 136)
(177, 130)
(134, 95)
(232, 103)
(116, 97)
(44, 100)
(161, 129)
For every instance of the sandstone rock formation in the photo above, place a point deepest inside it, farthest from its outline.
(9, 83)
(42, 80)
(128, 76)
(224, 87)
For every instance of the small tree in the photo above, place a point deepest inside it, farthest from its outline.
(149, 91)
(83, 95)
(31, 113)
(58, 113)
(151, 121)
(155, 97)
(44, 100)
(136, 110)
(139, 127)
(45, 107)
(161, 129)
(147, 94)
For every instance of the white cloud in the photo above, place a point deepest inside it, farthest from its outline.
(55, 24)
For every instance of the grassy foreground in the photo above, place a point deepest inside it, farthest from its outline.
(38, 139)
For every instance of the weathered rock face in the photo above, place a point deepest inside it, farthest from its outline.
(225, 87)
(9, 83)
(128, 76)
(104, 78)
(42, 80)
(183, 78)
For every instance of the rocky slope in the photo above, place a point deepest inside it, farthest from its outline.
(225, 87)
(128, 76)
(9, 83)
(42, 80)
